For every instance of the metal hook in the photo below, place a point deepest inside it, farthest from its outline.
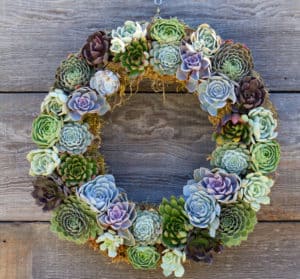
(158, 3)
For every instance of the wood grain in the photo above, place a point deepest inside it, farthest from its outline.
(151, 147)
(36, 35)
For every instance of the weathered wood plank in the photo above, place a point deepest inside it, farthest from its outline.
(151, 148)
(36, 35)
(31, 251)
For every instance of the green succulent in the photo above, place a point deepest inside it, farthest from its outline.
(143, 257)
(74, 221)
(255, 189)
(232, 157)
(172, 262)
(110, 242)
(77, 169)
(265, 156)
(135, 58)
(72, 72)
(55, 103)
(45, 130)
(175, 222)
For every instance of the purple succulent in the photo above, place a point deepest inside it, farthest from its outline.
(85, 100)
(193, 67)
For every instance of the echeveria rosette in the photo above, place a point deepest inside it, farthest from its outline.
(236, 222)
(165, 58)
(175, 222)
(265, 156)
(203, 210)
(72, 73)
(74, 221)
(74, 138)
(206, 40)
(263, 124)
(110, 242)
(55, 103)
(43, 161)
(147, 227)
(215, 92)
(143, 257)
(77, 169)
(46, 130)
(85, 100)
(105, 82)
(167, 30)
(99, 193)
(194, 67)
(172, 262)
(255, 189)
(232, 157)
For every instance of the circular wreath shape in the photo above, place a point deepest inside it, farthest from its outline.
(218, 206)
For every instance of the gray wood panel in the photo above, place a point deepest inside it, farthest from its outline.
(36, 35)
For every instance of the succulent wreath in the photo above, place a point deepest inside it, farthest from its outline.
(218, 206)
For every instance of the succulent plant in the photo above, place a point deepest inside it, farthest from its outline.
(236, 222)
(203, 210)
(143, 257)
(49, 192)
(74, 221)
(135, 57)
(72, 73)
(206, 40)
(214, 93)
(165, 58)
(99, 193)
(217, 182)
(42, 161)
(194, 66)
(265, 156)
(233, 60)
(255, 189)
(96, 49)
(45, 130)
(175, 222)
(232, 157)
(105, 82)
(110, 242)
(263, 124)
(86, 100)
(200, 246)
(172, 261)
(167, 30)
(147, 228)
(55, 103)
(76, 169)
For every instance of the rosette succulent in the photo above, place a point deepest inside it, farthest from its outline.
(42, 161)
(232, 157)
(233, 60)
(86, 100)
(100, 192)
(165, 58)
(218, 183)
(255, 189)
(46, 130)
(72, 73)
(143, 257)
(55, 103)
(214, 93)
(147, 228)
(236, 222)
(172, 261)
(175, 222)
(96, 49)
(206, 40)
(265, 156)
(194, 66)
(76, 169)
(135, 58)
(203, 210)
(263, 124)
(167, 30)
(110, 242)
(105, 82)
(74, 221)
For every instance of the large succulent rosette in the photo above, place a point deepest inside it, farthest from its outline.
(143, 257)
